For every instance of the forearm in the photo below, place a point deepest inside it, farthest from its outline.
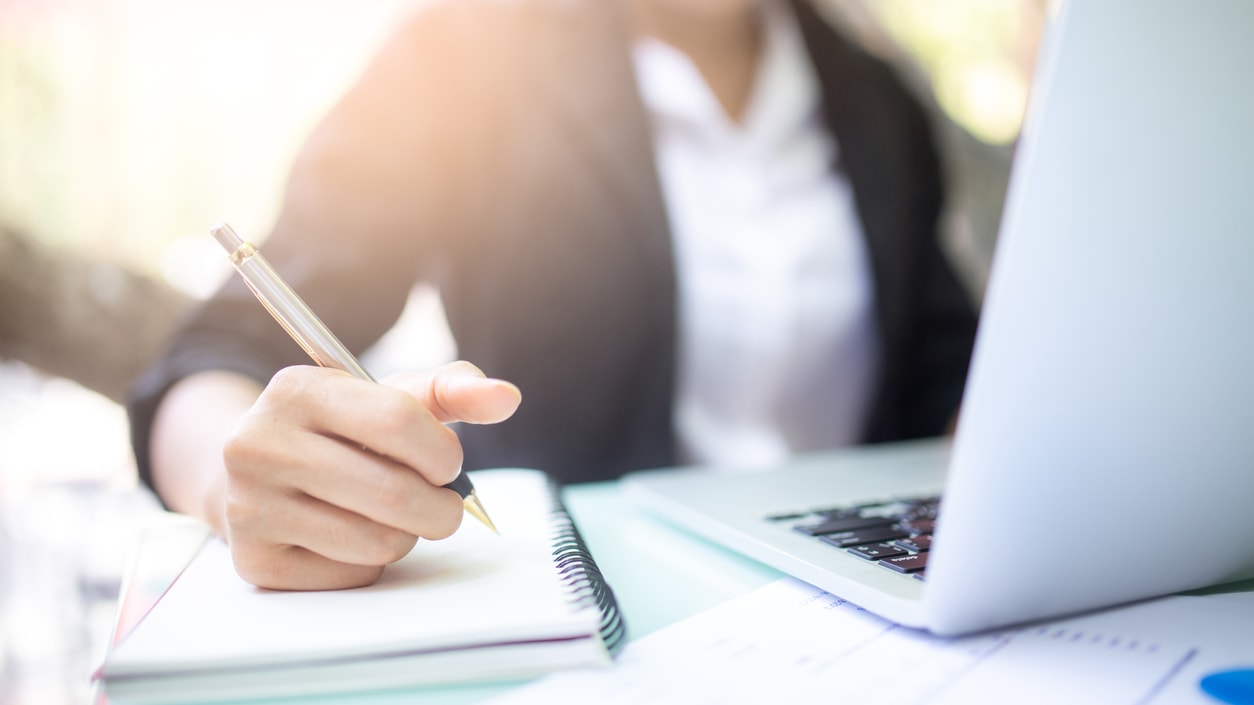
(189, 432)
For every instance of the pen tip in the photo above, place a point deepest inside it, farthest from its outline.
(475, 509)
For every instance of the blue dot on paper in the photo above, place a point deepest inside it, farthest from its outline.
(1232, 687)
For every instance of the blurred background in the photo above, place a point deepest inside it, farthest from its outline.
(128, 127)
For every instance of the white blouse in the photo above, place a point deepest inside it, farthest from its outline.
(777, 333)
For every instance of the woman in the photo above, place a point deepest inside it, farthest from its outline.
(691, 231)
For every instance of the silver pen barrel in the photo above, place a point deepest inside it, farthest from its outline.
(286, 306)
(311, 333)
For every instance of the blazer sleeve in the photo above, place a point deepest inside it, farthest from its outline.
(366, 199)
(927, 320)
(943, 332)
(930, 317)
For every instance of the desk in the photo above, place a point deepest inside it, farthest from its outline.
(660, 575)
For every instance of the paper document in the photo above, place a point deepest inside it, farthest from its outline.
(791, 642)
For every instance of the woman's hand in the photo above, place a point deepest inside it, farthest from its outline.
(329, 478)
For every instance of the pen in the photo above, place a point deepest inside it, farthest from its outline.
(311, 333)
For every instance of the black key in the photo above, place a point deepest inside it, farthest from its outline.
(919, 526)
(911, 563)
(923, 511)
(876, 551)
(896, 510)
(838, 512)
(916, 544)
(845, 539)
(832, 526)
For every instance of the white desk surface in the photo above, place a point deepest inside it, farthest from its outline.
(659, 575)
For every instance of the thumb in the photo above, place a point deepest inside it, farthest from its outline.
(459, 391)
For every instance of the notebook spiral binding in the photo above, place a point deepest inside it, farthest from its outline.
(579, 571)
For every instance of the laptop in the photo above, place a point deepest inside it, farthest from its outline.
(1105, 448)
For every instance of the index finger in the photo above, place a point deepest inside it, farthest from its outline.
(384, 420)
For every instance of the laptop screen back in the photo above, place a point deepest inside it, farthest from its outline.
(1105, 431)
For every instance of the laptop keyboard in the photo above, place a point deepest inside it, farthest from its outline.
(896, 534)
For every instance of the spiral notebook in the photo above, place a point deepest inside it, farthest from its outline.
(473, 607)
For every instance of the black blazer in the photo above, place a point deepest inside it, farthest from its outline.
(500, 150)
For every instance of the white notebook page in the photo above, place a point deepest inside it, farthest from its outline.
(472, 588)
